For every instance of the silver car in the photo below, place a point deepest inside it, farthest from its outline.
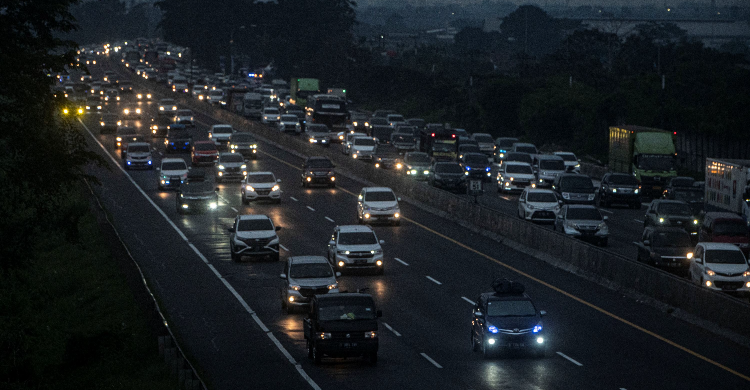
(539, 205)
(260, 185)
(289, 123)
(305, 276)
(378, 204)
(230, 166)
(584, 222)
(355, 247)
(547, 167)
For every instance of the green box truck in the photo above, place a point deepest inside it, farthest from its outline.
(301, 88)
(646, 153)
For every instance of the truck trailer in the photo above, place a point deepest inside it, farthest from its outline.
(646, 153)
(728, 186)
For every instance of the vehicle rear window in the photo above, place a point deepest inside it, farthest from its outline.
(584, 213)
(396, 118)
(521, 308)
(310, 270)
(468, 148)
(204, 147)
(222, 129)
(289, 118)
(364, 142)
(173, 166)
(506, 143)
(689, 195)
(272, 111)
(345, 311)
(568, 156)
(725, 257)
(573, 183)
(520, 157)
(319, 163)
(261, 178)
(357, 238)
(730, 228)
(317, 128)
(379, 196)
(526, 149)
(246, 225)
(476, 159)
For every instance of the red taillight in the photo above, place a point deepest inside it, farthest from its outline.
(674, 133)
(433, 134)
(453, 135)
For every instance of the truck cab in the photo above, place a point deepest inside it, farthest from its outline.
(342, 325)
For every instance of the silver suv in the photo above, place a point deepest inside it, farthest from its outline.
(355, 247)
(378, 204)
(305, 276)
(253, 235)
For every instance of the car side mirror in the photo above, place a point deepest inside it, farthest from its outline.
(542, 313)
(478, 313)
(282, 276)
(560, 202)
(379, 313)
(338, 274)
(158, 169)
(605, 218)
(559, 216)
(646, 242)
(331, 243)
(278, 180)
(189, 168)
(382, 242)
(398, 199)
(522, 200)
(231, 230)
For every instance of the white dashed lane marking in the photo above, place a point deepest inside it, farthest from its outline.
(329, 219)
(401, 261)
(429, 359)
(433, 280)
(391, 329)
(570, 359)
(310, 208)
(468, 300)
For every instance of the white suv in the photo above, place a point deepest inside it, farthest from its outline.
(378, 204)
(514, 176)
(271, 115)
(260, 185)
(355, 247)
(172, 172)
(540, 205)
(220, 134)
(253, 235)
(720, 266)
(363, 148)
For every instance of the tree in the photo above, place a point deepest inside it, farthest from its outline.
(531, 31)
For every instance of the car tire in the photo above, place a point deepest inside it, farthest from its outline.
(235, 257)
(245, 201)
(275, 257)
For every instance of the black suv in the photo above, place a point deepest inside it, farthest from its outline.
(666, 247)
(574, 188)
(674, 213)
(477, 166)
(342, 325)
(448, 176)
(178, 139)
(196, 194)
(318, 170)
(620, 188)
(506, 319)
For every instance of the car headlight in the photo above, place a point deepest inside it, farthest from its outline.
(614, 190)
(603, 227)
(371, 334)
(250, 188)
(636, 191)
(333, 286)
(295, 288)
(537, 328)
(710, 272)
(275, 188)
(745, 274)
(221, 167)
(695, 222)
(376, 251)
(662, 220)
(690, 256)
(243, 166)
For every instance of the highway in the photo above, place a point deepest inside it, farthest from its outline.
(228, 315)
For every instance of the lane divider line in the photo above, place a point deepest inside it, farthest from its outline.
(401, 261)
(310, 208)
(283, 247)
(570, 359)
(638, 220)
(294, 199)
(329, 219)
(469, 300)
(433, 280)
(429, 359)
(229, 287)
(391, 329)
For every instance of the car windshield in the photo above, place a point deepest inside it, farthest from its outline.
(568, 157)
(348, 312)
(505, 143)
(319, 163)
(364, 142)
(520, 157)
(623, 180)
(254, 224)
(272, 111)
(310, 270)
(483, 138)
(232, 158)
(261, 178)
(689, 195)
(588, 213)
(671, 239)
(448, 168)
(541, 197)
(173, 166)
(675, 209)
(222, 129)
(730, 228)
(502, 308)
(476, 159)
(317, 128)
(215, 93)
(725, 257)
(289, 118)
(517, 168)
(417, 158)
(242, 137)
(184, 112)
(578, 183)
(195, 187)
(396, 118)
(379, 196)
(357, 238)
(138, 149)
(205, 147)
(526, 149)
(552, 165)
(379, 121)
(167, 102)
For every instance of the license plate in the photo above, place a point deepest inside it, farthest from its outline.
(657, 188)
(349, 345)
(673, 265)
(515, 345)
(360, 261)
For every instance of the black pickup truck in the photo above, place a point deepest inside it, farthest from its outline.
(342, 325)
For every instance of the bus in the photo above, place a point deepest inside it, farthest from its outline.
(439, 142)
(329, 110)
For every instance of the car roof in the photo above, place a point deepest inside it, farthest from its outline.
(245, 217)
(548, 157)
(311, 158)
(308, 260)
(581, 206)
(512, 296)
(221, 125)
(561, 152)
(509, 163)
(172, 159)
(354, 229)
(203, 142)
(672, 201)
(719, 246)
(721, 215)
(539, 190)
(139, 144)
(376, 189)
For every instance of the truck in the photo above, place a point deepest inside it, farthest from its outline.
(727, 186)
(338, 92)
(301, 88)
(342, 325)
(646, 153)
(252, 105)
(439, 142)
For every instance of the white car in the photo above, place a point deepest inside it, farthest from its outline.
(721, 267)
(363, 148)
(230, 166)
(270, 115)
(547, 167)
(346, 142)
(289, 123)
(214, 96)
(539, 205)
(139, 156)
(514, 176)
(167, 107)
(253, 235)
(172, 172)
(180, 85)
(184, 117)
(395, 120)
(260, 185)
(378, 204)
(572, 163)
(220, 134)
(355, 247)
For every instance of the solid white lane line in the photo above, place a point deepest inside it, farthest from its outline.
(570, 359)
(401, 261)
(391, 329)
(310, 208)
(469, 300)
(330, 220)
(429, 359)
(283, 247)
(638, 220)
(294, 199)
(432, 279)
(210, 266)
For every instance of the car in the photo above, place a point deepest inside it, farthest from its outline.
(304, 277)
(538, 205)
(619, 188)
(123, 133)
(584, 222)
(204, 152)
(503, 145)
(346, 142)
(467, 148)
(485, 142)
(359, 121)
(108, 123)
(506, 319)
(159, 128)
(404, 139)
(721, 226)
(220, 134)
(125, 86)
(172, 172)
(270, 115)
(518, 157)
(244, 144)
(197, 195)
(693, 196)
(213, 96)
(395, 120)
(448, 176)
(668, 247)
(184, 117)
(515, 176)
(180, 85)
(363, 148)
(547, 167)
(167, 107)
(388, 161)
(574, 188)
(318, 133)
(130, 111)
(417, 165)
(260, 185)
(318, 170)
(378, 204)
(720, 267)
(289, 123)
(178, 139)
(112, 95)
(525, 147)
(355, 247)
(93, 104)
(419, 123)
(572, 163)
(253, 235)
(476, 166)
(677, 182)
(675, 213)
(230, 166)
(138, 155)
(143, 96)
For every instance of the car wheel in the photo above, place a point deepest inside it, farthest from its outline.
(275, 257)
(304, 184)
(235, 257)
(245, 201)
(316, 354)
(289, 309)
(520, 214)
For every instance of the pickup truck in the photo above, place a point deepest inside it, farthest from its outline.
(342, 325)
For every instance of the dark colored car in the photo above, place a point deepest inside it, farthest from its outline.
(620, 188)
(417, 165)
(318, 170)
(574, 188)
(298, 111)
(204, 152)
(477, 166)
(665, 247)
(196, 195)
(503, 146)
(108, 123)
(123, 134)
(718, 226)
(178, 139)
(677, 182)
(244, 144)
(507, 319)
(692, 195)
(674, 213)
(448, 176)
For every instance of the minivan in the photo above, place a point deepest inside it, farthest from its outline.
(725, 227)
